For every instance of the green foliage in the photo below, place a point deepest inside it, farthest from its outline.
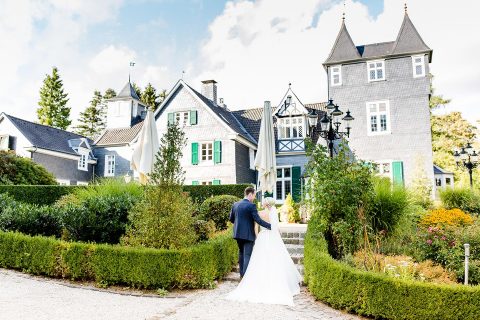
(204, 229)
(92, 120)
(163, 219)
(15, 170)
(420, 189)
(53, 109)
(339, 189)
(381, 296)
(466, 199)
(109, 94)
(194, 267)
(150, 97)
(167, 169)
(201, 193)
(137, 89)
(436, 101)
(217, 209)
(290, 209)
(388, 205)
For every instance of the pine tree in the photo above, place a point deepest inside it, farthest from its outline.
(109, 94)
(149, 97)
(92, 119)
(163, 95)
(53, 109)
(137, 89)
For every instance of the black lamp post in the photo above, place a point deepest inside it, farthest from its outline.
(330, 125)
(468, 158)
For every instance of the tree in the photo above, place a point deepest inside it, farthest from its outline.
(137, 89)
(163, 95)
(109, 94)
(16, 170)
(92, 120)
(421, 185)
(167, 169)
(53, 109)
(436, 101)
(149, 97)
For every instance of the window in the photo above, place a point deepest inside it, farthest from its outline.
(448, 181)
(251, 155)
(438, 182)
(109, 166)
(182, 118)
(291, 127)
(336, 76)
(383, 168)
(376, 70)
(82, 162)
(284, 183)
(206, 183)
(207, 151)
(418, 63)
(378, 117)
(4, 142)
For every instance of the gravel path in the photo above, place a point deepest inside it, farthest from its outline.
(27, 297)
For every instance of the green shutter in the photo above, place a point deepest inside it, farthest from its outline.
(195, 183)
(216, 182)
(296, 184)
(194, 152)
(193, 117)
(171, 118)
(217, 151)
(397, 169)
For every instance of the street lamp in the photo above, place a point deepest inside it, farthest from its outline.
(467, 158)
(330, 125)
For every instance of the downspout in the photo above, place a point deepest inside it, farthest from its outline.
(32, 152)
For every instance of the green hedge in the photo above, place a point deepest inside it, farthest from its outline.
(46, 195)
(380, 296)
(193, 267)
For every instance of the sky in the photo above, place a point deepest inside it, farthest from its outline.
(253, 49)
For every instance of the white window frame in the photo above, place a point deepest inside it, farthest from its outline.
(82, 183)
(205, 182)
(283, 180)
(109, 170)
(4, 142)
(416, 64)
(334, 73)
(284, 127)
(83, 162)
(378, 115)
(63, 182)
(381, 168)
(185, 122)
(376, 68)
(251, 156)
(201, 144)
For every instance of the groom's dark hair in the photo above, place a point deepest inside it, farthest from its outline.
(249, 190)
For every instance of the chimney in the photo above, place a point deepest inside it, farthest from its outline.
(209, 90)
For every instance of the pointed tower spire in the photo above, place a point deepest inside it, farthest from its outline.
(408, 39)
(344, 49)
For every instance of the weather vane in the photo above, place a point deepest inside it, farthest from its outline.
(132, 64)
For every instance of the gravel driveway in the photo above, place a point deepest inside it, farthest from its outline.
(27, 297)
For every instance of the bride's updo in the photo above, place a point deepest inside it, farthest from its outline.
(268, 201)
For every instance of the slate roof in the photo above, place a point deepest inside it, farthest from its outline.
(46, 137)
(408, 41)
(438, 170)
(127, 92)
(119, 135)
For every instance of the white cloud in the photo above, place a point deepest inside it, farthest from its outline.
(256, 48)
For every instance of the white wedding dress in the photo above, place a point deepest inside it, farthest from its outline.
(271, 276)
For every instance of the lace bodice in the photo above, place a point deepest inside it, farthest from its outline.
(273, 216)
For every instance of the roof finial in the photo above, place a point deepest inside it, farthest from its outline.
(289, 85)
(405, 8)
(343, 14)
(132, 64)
(183, 73)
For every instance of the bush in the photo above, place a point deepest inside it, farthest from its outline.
(200, 193)
(380, 296)
(19, 170)
(289, 210)
(218, 209)
(163, 219)
(204, 229)
(465, 199)
(28, 218)
(194, 267)
(41, 195)
(445, 218)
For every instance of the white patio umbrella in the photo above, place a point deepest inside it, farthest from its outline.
(265, 159)
(146, 148)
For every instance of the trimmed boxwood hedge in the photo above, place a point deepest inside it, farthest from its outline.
(380, 296)
(194, 267)
(46, 195)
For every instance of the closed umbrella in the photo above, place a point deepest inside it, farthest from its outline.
(265, 159)
(146, 148)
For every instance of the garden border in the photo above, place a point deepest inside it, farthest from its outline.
(381, 296)
(194, 267)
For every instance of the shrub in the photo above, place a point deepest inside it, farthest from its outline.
(41, 195)
(19, 170)
(289, 210)
(443, 217)
(204, 229)
(194, 267)
(388, 205)
(163, 219)
(218, 209)
(465, 199)
(200, 193)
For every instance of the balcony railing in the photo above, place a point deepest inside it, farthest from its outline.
(291, 145)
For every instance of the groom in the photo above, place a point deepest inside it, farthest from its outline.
(243, 215)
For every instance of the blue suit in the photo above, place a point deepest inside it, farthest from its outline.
(243, 215)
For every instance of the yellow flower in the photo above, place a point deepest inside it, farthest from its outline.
(444, 217)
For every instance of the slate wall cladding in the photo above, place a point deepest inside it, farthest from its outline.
(242, 164)
(410, 136)
(122, 160)
(63, 169)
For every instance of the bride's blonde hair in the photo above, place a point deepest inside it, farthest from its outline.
(268, 201)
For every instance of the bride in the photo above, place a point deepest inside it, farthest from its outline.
(271, 276)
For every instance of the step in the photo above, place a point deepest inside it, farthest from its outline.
(293, 235)
(301, 269)
(294, 248)
(293, 241)
(297, 258)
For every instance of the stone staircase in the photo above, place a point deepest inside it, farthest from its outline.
(294, 237)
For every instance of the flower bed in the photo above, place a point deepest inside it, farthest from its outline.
(194, 267)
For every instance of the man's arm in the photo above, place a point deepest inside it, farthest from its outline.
(232, 215)
(259, 220)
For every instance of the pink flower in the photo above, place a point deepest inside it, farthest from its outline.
(444, 238)
(429, 242)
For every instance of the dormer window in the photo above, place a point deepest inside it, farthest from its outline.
(336, 76)
(376, 70)
(418, 63)
(291, 127)
(82, 162)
